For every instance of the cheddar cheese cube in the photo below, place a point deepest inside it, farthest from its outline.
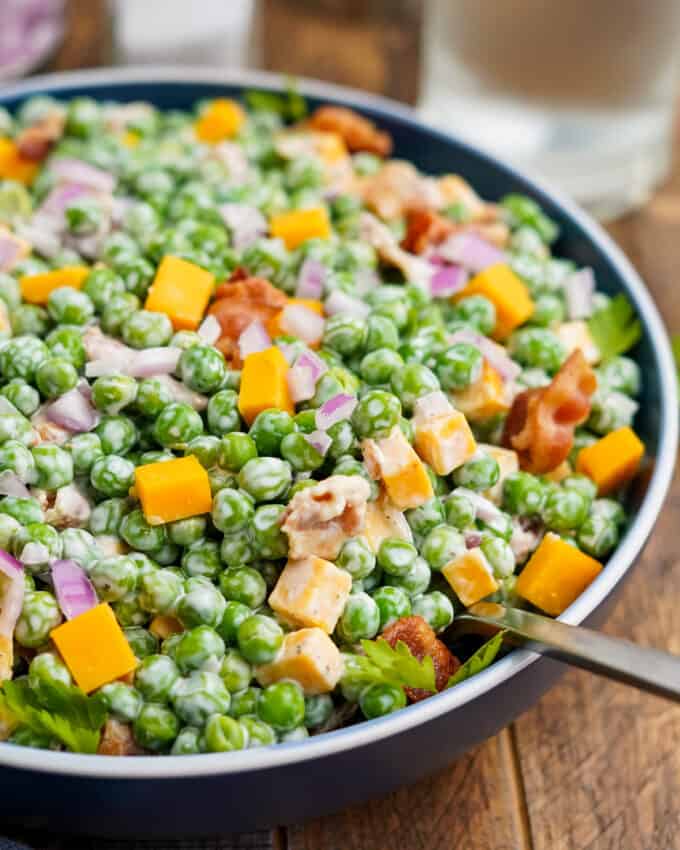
(298, 226)
(36, 288)
(163, 625)
(395, 461)
(612, 461)
(555, 575)
(222, 120)
(181, 290)
(14, 166)
(487, 397)
(173, 489)
(508, 463)
(445, 441)
(264, 384)
(274, 328)
(384, 520)
(308, 657)
(576, 335)
(94, 648)
(508, 294)
(471, 577)
(311, 592)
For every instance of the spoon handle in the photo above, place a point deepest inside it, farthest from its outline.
(648, 669)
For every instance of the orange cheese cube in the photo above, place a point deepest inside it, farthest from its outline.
(508, 294)
(274, 328)
(487, 397)
(181, 290)
(222, 120)
(173, 489)
(613, 460)
(330, 147)
(470, 576)
(298, 226)
(311, 592)
(163, 625)
(36, 288)
(395, 461)
(94, 648)
(14, 166)
(129, 138)
(264, 384)
(384, 520)
(555, 575)
(308, 657)
(445, 442)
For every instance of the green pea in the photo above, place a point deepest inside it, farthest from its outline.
(610, 410)
(188, 742)
(201, 605)
(381, 332)
(442, 544)
(122, 700)
(237, 449)
(300, 453)
(206, 449)
(177, 425)
(15, 427)
(53, 466)
(202, 368)
(381, 699)
(360, 618)
(79, 545)
(621, 374)
(396, 556)
(435, 608)
(29, 319)
(412, 382)
(117, 310)
(46, 670)
(282, 705)
(356, 558)
(137, 274)
(259, 639)
(237, 549)
(479, 473)
(114, 577)
(107, 516)
(459, 366)
(185, 532)
(144, 329)
(244, 585)
(598, 535)
(202, 559)
(499, 554)
(44, 542)
(415, 580)
(344, 334)
(201, 648)
(155, 727)
(24, 511)
(268, 540)
(139, 534)
(425, 517)
(523, 494)
(234, 614)
(260, 734)
(68, 306)
(538, 348)
(113, 393)
(477, 311)
(15, 457)
(21, 357)
(153, 395)
(581, 483)
(112, 475)
(318, 710)
(160, 591)
(141, 641)
(379, 365)
(610, 509)
(376, 414)
(235, 671)
(244, 703)
(268, 430)
(8, 528)
(23, 396)
(39, 615)
(55, 376)
(101, 285)
(224, 734)
(565, 509)
(265, 478)
(118, 434)
(199, 696)
(393, 604)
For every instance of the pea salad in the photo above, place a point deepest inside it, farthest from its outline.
(275, 406)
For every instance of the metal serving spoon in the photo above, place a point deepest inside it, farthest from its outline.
(648, 669)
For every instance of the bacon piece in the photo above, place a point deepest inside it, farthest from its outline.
(358, 132)
(239, 302)
(36, 141)
(540, 425)
(117, 740)
(422, 641)
(425, 228)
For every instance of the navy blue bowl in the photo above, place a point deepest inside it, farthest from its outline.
(208, 794)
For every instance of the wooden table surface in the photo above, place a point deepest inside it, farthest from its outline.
(594, 765)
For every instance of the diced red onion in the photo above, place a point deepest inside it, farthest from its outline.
(339, 302)
(60, 197)
(289, 350)
(319, 440)
(35, 553)
(12, 485)
(337, 408)
(304, 374)
(494, 354)
(579, 289)
(154, 361)
(11, 594)
(311, 279)
(73, 411)
(44, 234)
(365, 280)
(73, 170)
(447, 280)
(107, 366)
(298, 320)
(183, 394)
(209, 330)
(74, 590)
(484, 508)
(253, 339)
(472, 539)
(84, 388)
(10, 251)
(120, 207)
(246, 223)
(471, 251)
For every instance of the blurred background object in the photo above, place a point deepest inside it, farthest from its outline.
(582, 92)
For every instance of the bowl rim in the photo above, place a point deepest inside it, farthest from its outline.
(368, 732)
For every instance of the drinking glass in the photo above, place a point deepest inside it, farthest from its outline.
(581, 92)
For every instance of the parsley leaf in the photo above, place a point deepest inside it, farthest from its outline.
(62, 712)
(290, 105)
(615, 328)
(675, 345)
(479, 661)
(383, 664)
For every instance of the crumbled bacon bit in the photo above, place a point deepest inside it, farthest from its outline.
(422, 641)
(240, 301)
(117, 740)
(540, 425)
(425, 228)
(358, 132)
(36, 141)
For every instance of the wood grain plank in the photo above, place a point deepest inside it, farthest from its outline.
(473, 805)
